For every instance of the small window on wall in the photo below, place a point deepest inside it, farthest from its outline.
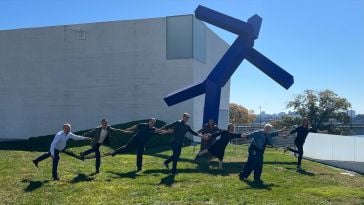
(185, 38)
(81, 35)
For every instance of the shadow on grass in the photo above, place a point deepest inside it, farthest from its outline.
(82, 178)
(203, 166)
(281, 163)
(131, 174)
(33, 185)
(303, 172)
(260, 185)
(168, 180)
(229, 168)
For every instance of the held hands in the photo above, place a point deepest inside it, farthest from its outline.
(205, 136)
(160, 131)
(126, 131)
(283, 129)
(244, 135)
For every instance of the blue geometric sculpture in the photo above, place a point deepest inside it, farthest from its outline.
(241, 49)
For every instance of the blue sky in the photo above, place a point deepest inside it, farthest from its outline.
(321, 43)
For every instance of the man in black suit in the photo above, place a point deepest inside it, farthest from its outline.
(101, 135)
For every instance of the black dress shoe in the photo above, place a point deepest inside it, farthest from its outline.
(56, 179)
(82, 156)
(258, 181)
(35, 163)
(166, 165)
(243, 178)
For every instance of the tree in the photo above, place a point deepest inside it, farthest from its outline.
(287, 121)
(320, 106)
(240, 115)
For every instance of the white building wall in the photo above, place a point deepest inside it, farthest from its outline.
(49, 76)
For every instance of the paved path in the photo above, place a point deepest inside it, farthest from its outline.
(351, 166)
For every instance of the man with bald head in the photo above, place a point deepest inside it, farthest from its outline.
(58, 144)
(260, 139)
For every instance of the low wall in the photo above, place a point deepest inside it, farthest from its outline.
(334, 147)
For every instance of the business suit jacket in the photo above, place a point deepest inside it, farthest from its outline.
(95, 134)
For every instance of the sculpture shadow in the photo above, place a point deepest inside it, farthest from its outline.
(82, 178)
(33, 185)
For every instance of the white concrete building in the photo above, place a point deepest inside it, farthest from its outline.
(119, 70)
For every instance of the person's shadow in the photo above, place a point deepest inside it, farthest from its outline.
(33, 185)
(82, 178)
(260, 185)
(131, 174)
(304, 172)
(168, 180)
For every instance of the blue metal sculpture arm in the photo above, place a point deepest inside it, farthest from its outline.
(185, 93)
(269, 68)
(256, 22)
(231, 60)
(223, 21)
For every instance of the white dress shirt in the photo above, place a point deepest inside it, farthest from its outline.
(60, 140)
(103, 135)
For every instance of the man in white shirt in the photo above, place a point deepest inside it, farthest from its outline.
(58, 144)
(101, 135)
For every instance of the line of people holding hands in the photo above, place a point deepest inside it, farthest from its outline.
(213, 143)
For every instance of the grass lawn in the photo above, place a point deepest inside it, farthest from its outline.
(203, 183)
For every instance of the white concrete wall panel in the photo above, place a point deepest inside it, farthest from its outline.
(82, 73)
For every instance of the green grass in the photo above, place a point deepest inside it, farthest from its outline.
(203, 183)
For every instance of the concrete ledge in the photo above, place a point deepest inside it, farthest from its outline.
(357, 167)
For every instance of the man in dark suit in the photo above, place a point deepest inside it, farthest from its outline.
(208, 128)
(143, 132)
(101, 135)
(180, 128)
